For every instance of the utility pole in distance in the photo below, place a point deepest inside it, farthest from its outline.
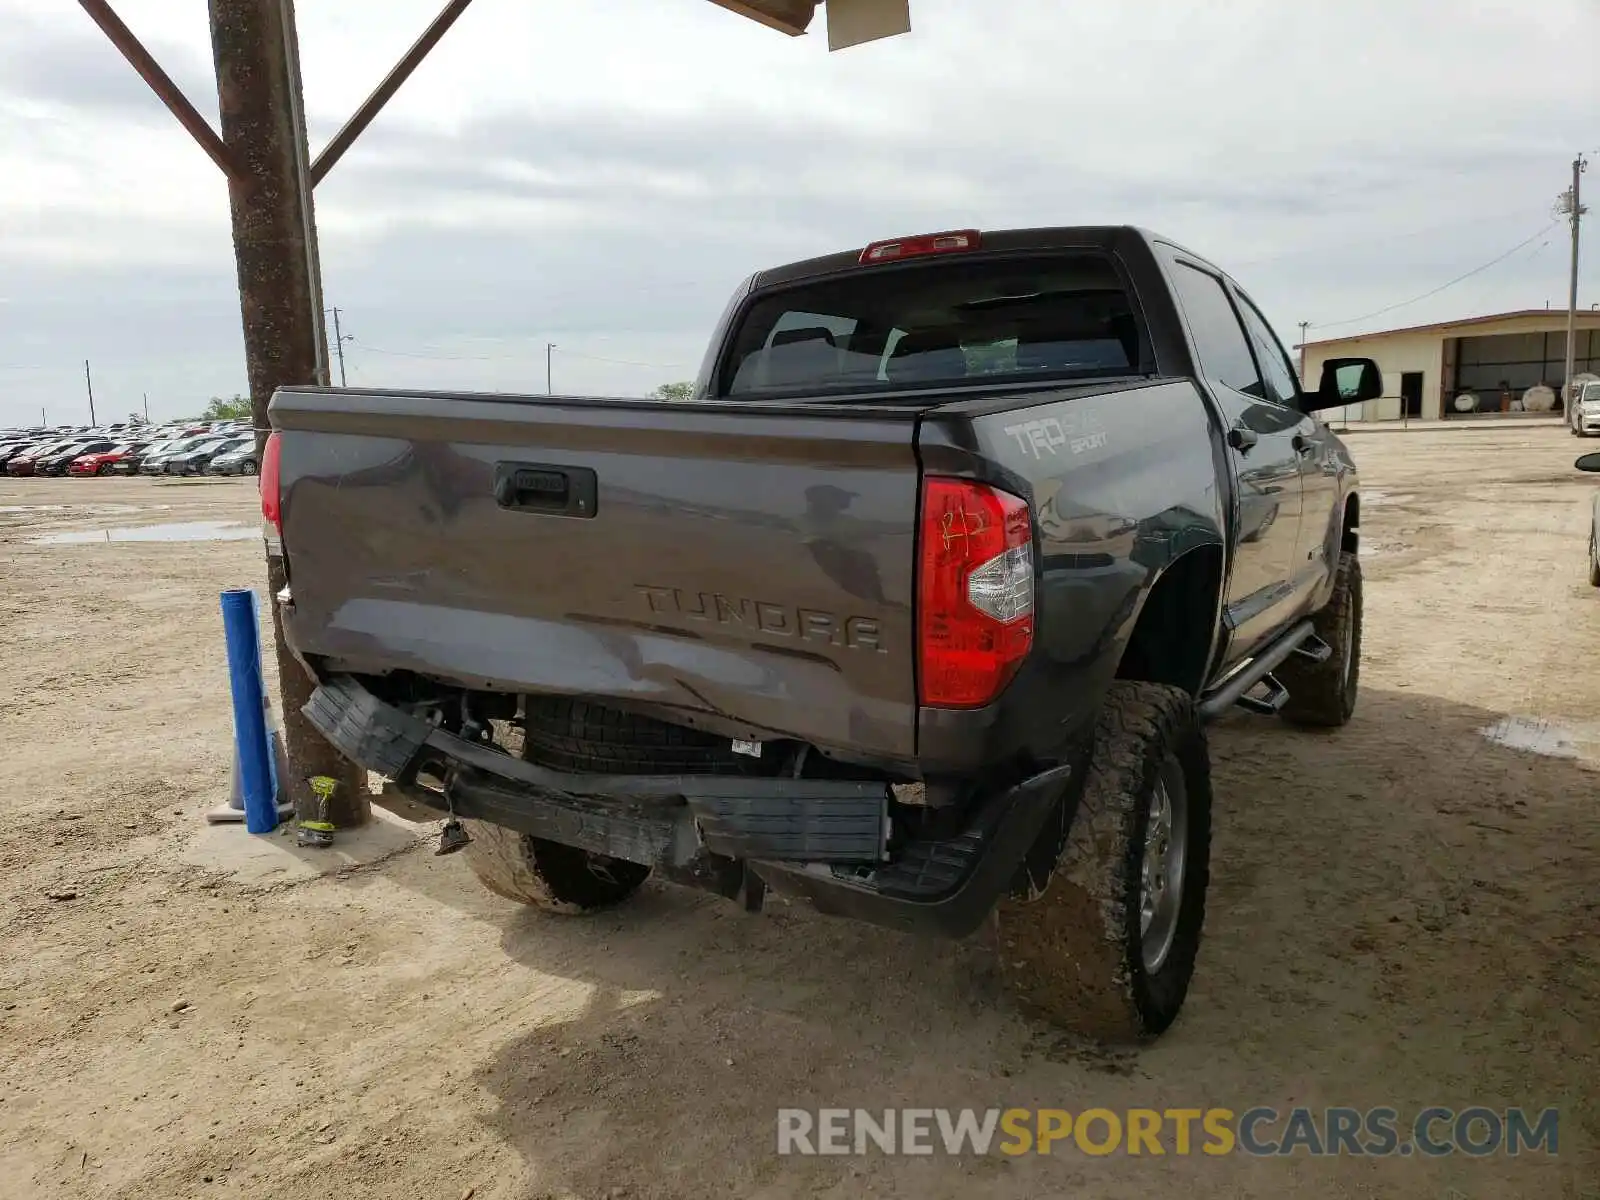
(1304, 325)
(89, 383)
(549, 378)
(1572, 207)
(258, 86)
(338, 344)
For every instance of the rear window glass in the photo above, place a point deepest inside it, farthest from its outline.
(941, 322)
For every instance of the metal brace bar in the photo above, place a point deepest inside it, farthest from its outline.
(373, 104)
(160, 82)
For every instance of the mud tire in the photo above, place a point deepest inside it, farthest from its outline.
(1323, 695)
(547, 875)
(566, 735)
(1072, 951)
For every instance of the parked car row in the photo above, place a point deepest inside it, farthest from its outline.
(217, 450)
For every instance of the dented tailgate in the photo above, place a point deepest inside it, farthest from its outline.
(747, 561)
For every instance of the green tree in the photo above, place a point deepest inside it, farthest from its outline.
(235, 409)
(674, 391)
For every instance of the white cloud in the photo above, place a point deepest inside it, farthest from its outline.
(600, 175)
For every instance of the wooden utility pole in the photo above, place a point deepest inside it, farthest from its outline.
(1572, 206)
(274, 243)
(263, 154)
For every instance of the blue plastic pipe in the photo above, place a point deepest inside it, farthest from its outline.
(273, 750)
(239, 608)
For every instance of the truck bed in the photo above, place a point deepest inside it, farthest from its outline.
(746, 568)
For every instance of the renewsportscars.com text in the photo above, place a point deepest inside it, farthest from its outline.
(1431, 1132)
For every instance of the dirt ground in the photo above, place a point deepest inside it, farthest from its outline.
(1404, 913)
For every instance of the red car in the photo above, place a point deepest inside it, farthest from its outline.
(104, 462)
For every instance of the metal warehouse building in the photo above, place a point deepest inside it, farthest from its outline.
(1430, 370)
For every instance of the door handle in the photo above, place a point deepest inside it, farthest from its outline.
(1241, 439)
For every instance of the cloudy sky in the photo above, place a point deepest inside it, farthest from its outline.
(599, 174)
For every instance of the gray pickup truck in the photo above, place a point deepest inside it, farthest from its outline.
(916, 611)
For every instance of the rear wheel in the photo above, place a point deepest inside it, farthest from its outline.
(248, 467)
(1107, 946)
(548, 875)
(572, 735)
(103, 469)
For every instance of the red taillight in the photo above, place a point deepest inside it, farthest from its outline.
(974, 593)
(927, 243)
(271, 503)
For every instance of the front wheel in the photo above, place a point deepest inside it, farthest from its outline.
(1323, 695)
(248, 467)
(1107, 947)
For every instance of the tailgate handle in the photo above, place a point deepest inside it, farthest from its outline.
(541, 488)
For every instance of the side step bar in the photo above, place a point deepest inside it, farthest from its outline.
(1259, 669)
(1270, 704)
(1314, 649)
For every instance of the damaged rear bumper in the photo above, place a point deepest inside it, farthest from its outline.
(826, 841)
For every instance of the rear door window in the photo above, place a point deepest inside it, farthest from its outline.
(1219, 339)
(939, 323)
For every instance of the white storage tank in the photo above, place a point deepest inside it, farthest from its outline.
(1539, 398)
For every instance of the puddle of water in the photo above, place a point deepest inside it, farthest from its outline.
(102, 509)
(1537, 735)
(184, 531)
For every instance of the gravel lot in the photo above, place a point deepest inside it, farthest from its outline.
(1403, 913)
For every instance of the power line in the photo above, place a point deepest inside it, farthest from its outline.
(429, 357)
(1443, 286)
(628, 362)
(1323, 246)
(621, 362)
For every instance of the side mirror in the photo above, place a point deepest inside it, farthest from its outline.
(1588, 462)
(1345, 381)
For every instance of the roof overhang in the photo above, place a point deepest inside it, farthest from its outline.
(850, 22)
(1522, 320)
